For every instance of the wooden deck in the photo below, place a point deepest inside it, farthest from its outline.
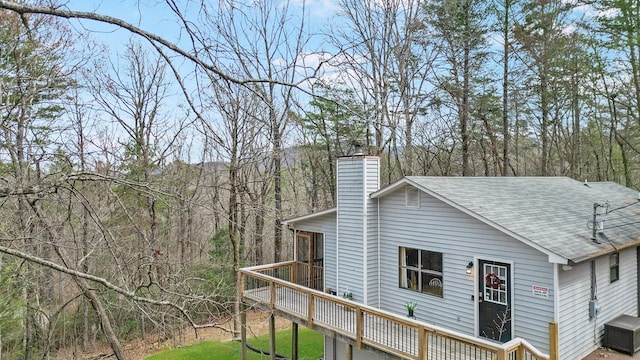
(367, 327)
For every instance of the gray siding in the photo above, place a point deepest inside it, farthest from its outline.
(437, 226)
(357, 178)
(330, 348)
(372, 269)
(580, 335)
(350, 200)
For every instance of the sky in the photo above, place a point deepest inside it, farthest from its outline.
(154, 16)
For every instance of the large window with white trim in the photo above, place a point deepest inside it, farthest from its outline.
(421, 270)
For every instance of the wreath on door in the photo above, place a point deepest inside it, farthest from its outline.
(492, 280)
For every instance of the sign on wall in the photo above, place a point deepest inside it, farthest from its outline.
(541, 291)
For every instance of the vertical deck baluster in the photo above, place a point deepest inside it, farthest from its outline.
(359, 330)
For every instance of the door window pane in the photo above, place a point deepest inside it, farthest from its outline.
(496, 283)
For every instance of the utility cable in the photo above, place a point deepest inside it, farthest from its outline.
(622, 207)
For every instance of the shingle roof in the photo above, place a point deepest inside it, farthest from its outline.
(553, 213)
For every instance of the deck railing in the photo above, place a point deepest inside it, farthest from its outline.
(275, 286)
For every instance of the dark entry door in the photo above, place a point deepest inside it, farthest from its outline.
(310, 260)
(494, 308)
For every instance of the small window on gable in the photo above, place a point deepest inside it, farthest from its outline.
(614, 267)
(412, 197)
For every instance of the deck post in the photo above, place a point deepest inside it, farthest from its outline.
(310, 310)
(294, 340)
(423, 343)
(272, 295)
(294, 273)
(243, 330)
(553, 341)
(272, 336)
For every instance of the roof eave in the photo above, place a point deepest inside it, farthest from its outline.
(308, 216)
(608, 250)
(391, 188)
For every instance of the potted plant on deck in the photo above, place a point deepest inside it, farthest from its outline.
(411, 306)
(349, 296)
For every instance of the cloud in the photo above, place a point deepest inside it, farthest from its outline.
(318, 8)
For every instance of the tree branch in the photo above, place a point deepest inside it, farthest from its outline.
(151, 37)
(105, 283)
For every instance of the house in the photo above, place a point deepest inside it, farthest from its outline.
(493, 259)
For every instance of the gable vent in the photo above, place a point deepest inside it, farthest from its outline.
(412, 197)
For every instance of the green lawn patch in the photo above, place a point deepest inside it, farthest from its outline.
(310, 347)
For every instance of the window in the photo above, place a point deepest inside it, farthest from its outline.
(614, 267)
(421, 270)
(495, 284)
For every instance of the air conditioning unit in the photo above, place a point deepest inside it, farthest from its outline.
(622, 334)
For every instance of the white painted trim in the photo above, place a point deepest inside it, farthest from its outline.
(309, 216)
(476, 297)
(337, 233)
(556, 293)
(379, 261)
(324, 261)
(295, 244)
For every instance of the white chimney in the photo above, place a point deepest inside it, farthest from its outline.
(357, 177)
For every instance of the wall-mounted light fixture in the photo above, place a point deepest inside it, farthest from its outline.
(469, 267)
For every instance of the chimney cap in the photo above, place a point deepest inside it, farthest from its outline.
(357, 149)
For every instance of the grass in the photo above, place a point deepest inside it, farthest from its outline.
(310, 347)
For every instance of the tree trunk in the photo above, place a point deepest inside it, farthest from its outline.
(105, 323)
(464, 116)
(505, 90)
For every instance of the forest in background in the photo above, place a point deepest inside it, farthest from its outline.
(133, 183)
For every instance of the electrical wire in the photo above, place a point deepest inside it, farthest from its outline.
(621, 207)
(622, 225)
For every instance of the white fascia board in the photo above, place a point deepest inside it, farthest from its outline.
(309, 216)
